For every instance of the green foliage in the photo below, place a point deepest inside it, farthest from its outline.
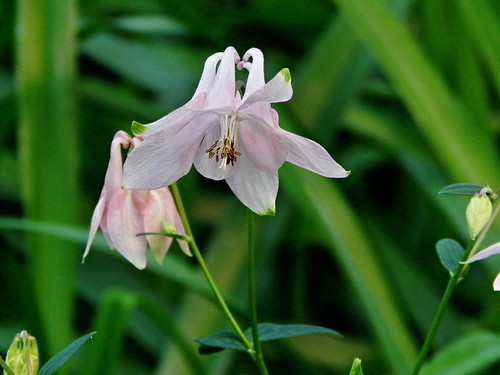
(356, 367)
(60, 358)
(461, 189)
(450, 253)
(267, 332)
(468, 355)
(402, 93)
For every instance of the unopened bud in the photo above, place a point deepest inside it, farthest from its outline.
(168, 228)
(478, 213)
(22, 357)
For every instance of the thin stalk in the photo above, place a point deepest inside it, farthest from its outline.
(452, 283)
(258, 358)
(5, 367)
(218, 296)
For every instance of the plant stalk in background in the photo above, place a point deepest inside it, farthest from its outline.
(45, 64)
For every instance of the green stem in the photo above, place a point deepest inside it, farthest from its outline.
(258, 358)
(457, 276)
(5, 367)
(218, 296)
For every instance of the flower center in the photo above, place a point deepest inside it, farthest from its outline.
(223, 148)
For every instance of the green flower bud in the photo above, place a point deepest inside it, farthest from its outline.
(168, 228)
(478, 213)
(22, 357)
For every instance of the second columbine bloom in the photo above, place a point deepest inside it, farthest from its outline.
(227, 134)
(123, 214)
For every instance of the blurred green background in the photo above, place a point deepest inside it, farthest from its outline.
(403, 93)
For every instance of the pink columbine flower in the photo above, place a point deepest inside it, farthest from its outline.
(122, 214)
(483, 254)
(227, 136)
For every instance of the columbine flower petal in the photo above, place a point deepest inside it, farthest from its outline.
(309, 155)
(255, 188)
(162, 159)
(489, 251)
(161, 208)
(256, 70)
(277, 90)
(94, 225)
(221, 94)
(176, 119)
(265, 147)
(483, 254)
(496, 283)
(208, 75)
(124, 222)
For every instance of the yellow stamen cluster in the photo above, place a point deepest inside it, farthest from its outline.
(226, 153)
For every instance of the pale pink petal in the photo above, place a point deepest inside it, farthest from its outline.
(94, 224)
(261, 144)
(112, 183)
(178, 118)
(125, 221)
(255, 188)
(208, 75)
(221, 94)
(496, 283)
(157, 210)
(256, 71)
(489, 251)
(310, 155)
(113, 179)
(164, 157)
(210, 167)
(279, 89)
(180, 228)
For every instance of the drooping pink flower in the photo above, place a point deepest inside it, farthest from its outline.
(227, 136)
(486, 253)
(122, 214)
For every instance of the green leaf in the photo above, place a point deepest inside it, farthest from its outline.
(267, 332)
(219, 341)
(469, 355)
(461, 189)
(450, 253)
(270, 331)
(58, 360)
(356, 367)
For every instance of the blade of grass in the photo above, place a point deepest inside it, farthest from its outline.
(484, 24)
(45, 65)
(466, 151)
(332, 73)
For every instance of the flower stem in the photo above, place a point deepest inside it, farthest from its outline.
(5, 367)
(258, 358)
(218, 296)
(457, 276)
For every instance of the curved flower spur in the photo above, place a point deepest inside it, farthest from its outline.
(227, 136)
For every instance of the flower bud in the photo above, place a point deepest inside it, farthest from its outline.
(22, 357)
(478, 213)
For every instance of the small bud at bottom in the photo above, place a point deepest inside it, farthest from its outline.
(22, 357)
